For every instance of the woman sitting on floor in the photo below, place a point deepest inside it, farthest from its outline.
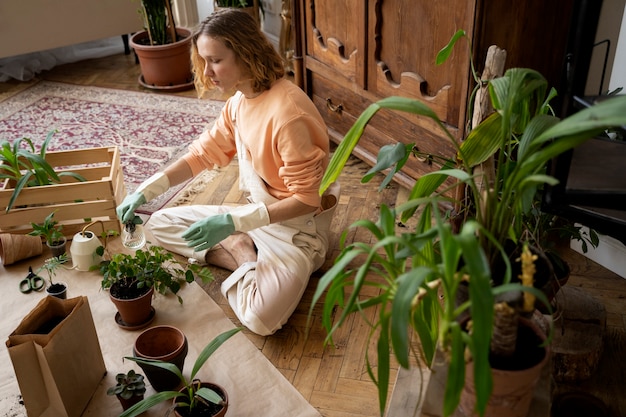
(274, 243)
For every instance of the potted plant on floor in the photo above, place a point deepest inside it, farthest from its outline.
(195, 396)
(131, 280)
(164, 51)
(51, 265)
(51, 232)
(129, 388)
(468, 251)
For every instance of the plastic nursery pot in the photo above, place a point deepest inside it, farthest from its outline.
(163, 343)
(59, 248)
(58, 290)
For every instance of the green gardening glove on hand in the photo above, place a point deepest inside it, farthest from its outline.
(208, 232)
(126, 210)
(150, 188)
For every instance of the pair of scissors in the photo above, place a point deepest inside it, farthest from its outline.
(32, 282)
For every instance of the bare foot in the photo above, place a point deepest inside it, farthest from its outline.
(232, 252)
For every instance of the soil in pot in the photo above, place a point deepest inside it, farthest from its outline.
(134, 306)
(207, 409)
(58, 248)
(58, 289)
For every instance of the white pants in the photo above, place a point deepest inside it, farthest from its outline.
(263, 294)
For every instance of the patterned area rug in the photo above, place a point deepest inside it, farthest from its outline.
(151, 130)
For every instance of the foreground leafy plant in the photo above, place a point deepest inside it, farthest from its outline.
(520, 138)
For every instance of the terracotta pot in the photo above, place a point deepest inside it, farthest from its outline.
(219, 412)
(127, 403)
(513, 390)
(14, 248)
(164, 66)
(135, 312)
(163, 343)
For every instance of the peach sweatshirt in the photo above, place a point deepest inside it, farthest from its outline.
(285, 135)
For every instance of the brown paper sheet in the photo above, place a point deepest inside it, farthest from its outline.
(255, 387)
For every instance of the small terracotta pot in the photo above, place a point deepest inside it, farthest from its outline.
(127, 403)
(163, 343)
(136, 311)
(221, 412)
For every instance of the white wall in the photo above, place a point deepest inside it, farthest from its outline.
(618, 75)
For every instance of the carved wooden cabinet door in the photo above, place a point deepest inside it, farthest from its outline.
(404, 39)
(336, 37)
(356, 52)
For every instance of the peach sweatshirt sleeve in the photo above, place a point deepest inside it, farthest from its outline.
(286, 138)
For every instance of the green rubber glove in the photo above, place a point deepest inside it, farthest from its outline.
(208, 232)
(150, 188)
(126, 210)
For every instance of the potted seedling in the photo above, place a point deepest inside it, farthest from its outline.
(196, 396)
(51, 265)
(132, 279)
(129, 388)
(51, 232)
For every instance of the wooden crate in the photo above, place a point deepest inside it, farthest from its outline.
(75, 203)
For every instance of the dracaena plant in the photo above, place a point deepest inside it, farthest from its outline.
(159, 21)
(521, 136)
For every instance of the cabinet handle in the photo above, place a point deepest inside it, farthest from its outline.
(334, 108)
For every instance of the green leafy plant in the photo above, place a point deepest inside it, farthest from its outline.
(52, 264)
(153, 267)
(455, 244)
(128, 385)
(25, 167)
(50, 230)
(192, 393)
(159, 21)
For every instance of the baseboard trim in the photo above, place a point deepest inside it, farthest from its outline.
(610, 253)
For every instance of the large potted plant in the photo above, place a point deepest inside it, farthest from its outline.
(164, 51)
(466, 252)
(132, 279)
(195, 397)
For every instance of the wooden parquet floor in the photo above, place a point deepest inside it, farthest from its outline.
(332, 379)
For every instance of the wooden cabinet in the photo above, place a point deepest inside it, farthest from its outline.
(355, 52)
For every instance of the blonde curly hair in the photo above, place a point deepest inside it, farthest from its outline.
(240, 33)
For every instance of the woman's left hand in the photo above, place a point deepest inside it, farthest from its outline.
(208, 232)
